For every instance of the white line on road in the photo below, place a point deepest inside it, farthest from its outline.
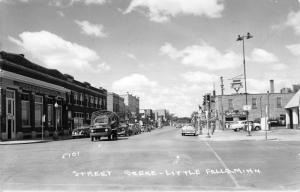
(224, 165)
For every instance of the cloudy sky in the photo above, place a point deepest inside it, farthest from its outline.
(167, 52)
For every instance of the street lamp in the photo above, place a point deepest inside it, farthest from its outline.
(56, 107)
(242, 38)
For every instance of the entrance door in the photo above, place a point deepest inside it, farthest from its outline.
(10, 114)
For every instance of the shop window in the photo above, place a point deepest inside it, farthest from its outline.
(81, 99)
(38, 110)
(278, 102)
(254, 103)
(50, 115)
(25, 110)
(87, 100)
(59, 115)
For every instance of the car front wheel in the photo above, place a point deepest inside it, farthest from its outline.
(257, 128)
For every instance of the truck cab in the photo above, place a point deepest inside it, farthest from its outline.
(104, 124)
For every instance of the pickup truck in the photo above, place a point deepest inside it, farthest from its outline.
(104, 124)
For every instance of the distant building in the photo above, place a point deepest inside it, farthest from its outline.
(132, 107)
(116, 104)
(232, 109)
(286, 90)
(35, 99)
(147, 116)
(161, 116)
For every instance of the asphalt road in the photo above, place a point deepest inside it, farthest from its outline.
(155, 161)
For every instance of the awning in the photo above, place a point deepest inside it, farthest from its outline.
(294, 102)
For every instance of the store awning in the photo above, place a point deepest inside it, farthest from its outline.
(294, 102)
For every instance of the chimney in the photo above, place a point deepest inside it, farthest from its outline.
(271, 86)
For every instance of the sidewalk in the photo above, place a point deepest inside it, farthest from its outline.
(31, 141)
(275, 134)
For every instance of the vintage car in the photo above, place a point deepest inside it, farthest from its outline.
(255, 126)
(237, 126)
(134, 129)
(81, 131)
(188, 130)
(123, 129)
(104, 124)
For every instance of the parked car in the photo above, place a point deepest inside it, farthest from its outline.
(82, 131)
(255, 126)
(188, 130)
(143, 128)
(134, 129)
(237, 126)
(123, 129)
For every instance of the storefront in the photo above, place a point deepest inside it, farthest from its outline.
(36, 100)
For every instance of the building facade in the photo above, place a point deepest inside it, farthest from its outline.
(36, 100)
(132, 107)
(231, 107)
(116, 104)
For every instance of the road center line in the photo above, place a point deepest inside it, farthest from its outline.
(223, 164)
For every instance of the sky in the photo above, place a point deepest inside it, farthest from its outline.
(169, 53)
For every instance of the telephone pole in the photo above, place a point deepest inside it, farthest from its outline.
(222, 112)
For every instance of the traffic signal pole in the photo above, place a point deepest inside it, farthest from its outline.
(207, 98)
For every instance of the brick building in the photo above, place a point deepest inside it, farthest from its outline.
(116, 104)
(232, 106)
(132, 107)
(35, 99)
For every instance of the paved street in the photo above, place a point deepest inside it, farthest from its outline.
(159, 160)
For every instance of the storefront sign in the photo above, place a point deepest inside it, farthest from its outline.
(37, 89)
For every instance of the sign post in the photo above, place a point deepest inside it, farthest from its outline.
(247, 108)
(43, 121)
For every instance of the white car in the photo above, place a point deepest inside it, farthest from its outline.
(188, 130)
(237, 126)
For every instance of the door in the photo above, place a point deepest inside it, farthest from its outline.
(10, 114)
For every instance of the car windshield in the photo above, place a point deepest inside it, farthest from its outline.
(101, 120)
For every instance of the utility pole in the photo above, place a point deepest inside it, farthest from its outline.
(268, 115)
(208, 114)
(222, 112)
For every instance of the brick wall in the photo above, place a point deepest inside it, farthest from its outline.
(238, 101)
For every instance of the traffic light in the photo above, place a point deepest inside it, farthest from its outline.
(208, 98)
(204, 100)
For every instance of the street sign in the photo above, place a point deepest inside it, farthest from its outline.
(247, 107)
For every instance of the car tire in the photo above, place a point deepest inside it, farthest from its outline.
(235, 130)
(257, 128)
(92, 138)
(109, 137)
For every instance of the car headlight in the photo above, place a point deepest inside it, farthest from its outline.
(92, 130)
(106, 130)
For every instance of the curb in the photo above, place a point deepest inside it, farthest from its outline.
(23, 142)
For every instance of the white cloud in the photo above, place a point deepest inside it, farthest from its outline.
(180, 99)
(293, 20)
(14, 1)
(135, 82)
(294, 49)
(68, 3)
(199, 77)
(263, 56)
(91, 29)
(131, 56)
(60, 13)
(55, 52)
(162, 10)
(203, 56)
